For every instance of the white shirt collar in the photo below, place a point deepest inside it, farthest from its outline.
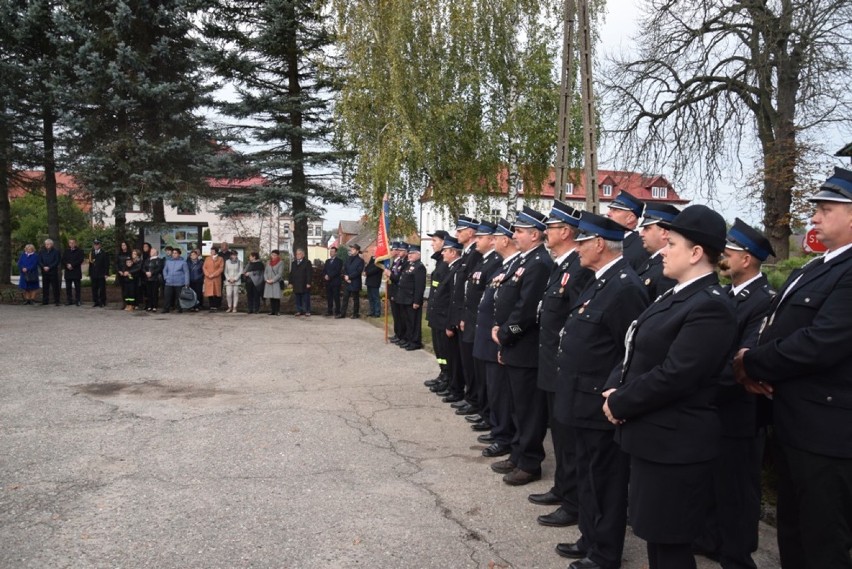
(832, 254)
(561, 258)
(680, 286)
(510, 257)
(600, 272)
(738, 288)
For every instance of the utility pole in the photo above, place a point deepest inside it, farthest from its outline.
(590, 150)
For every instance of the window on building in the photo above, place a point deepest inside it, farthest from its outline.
(659, 192)
(286, 228)
(496, 213)
(569, 189)
(607, 190)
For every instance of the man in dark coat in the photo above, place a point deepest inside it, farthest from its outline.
(49, 261)
(591, 346)
(732, 528)
(567, 280)
(439, 318)
(331, 274)
(301, 275)
(72, 263)
(802, 359)
(626, 209)
(400, 252)
(516, 330)
(438, 336)
(466, 235)
(98, 272)
(410, 290)
(654, 239)
(373, 281)
(352, 269)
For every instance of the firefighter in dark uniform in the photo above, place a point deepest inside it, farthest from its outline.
(478, 278)
(654, 239)
(438, 336)
(409, 294)
(567, 280)
(466, 235)
(731, 532)
(516, 330)
(591, 346)
(803, 360)
(627, 209)
(499, 419)
(400, 251)
(440, 313)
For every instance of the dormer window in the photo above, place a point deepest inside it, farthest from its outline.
(659, 192)
(607, 190)
(569, 189)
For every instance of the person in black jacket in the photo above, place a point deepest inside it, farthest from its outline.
(352, 269)
(655, 239)
(72, 263)
(663, 396)
(301, 275)
(331, 272)
(591, 345)
(439, 318)
(802, 359)
(98, 272)
(730, 534)
(398, 265)
(439, 338)
(49, 261)
(626, 209)
(568, 278)
(152, 268)
(466, 229)
(373, 281)
(516, 330)
(412, 285)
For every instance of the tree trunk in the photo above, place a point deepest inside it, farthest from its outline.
(5, 218)
(49, 163)
(297, 155)
(120, 213)
(158, 211)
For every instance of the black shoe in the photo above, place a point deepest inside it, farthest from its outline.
(452, 398)
(79, 303)
(487, 438)
(503, 467)
(444, 392)
(474, 419)
(340, 316)
(413, 347)
(559, 518)
(393, 339)
(570, 551)
(481, 426)
(438, 387)
(469, 410)
(520, 477)
(355, 317)
(546, 499)
(436, 381)
(584, 563)
(403, 345)
(180, 310)
(495, 450)
(69, 303)
(460, 404)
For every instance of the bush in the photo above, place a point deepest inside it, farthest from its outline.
(777, 274)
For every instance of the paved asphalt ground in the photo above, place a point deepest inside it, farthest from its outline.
(231, 441)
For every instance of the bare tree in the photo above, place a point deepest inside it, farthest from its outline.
(711, 76)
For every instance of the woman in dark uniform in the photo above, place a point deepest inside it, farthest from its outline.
(663, 396)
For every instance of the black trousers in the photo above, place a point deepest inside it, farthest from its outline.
(413, 324)
(50, 280)
(72, 283)
(253, 294)
(198, 287)
(814, 509)
(152, 294)
(603, 472)
(399, 324)
(332, 298)
(670, 556)
(500, 401)
(481, 388)
(456, 379)
(172, 298)
(529, 406)
(99, 291)
(439, 345)
(564, 450)
(356, 302)
(275, 306)
(468, 371)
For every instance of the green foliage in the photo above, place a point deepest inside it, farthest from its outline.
(207, 236)
(29, 221)
(777, 274)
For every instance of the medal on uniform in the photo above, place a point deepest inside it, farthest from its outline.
(583, 308)
(563, 282)
(647, 282)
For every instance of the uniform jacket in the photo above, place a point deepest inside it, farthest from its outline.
(274, 274)
(666, 392)
(373, 274)
(592, 341)
(737, 407)
(469, 259)
(438, 275)
(478, 278)
(804, 351)
(651, 274)
(484, 347)
(634, 251)
(98, 264)
(412, 284)
(73, 257)
(567, 280)
(214, 267)
(516, 308)
(353, 268)
(176, 272)
(301, 274)
(397, 266)
(333, 268)
(440, 297)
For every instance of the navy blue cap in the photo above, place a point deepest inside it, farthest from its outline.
(439, 233)
(400, 246)
(486, 228)
(593, 225)
(452, 243)
(465, 222)
(701, 225)
(414, 248)
(837, 188)
(628, 202)
(743, 237)
(530, 218)
(657, 212)
(504, 228)
(564, 213)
